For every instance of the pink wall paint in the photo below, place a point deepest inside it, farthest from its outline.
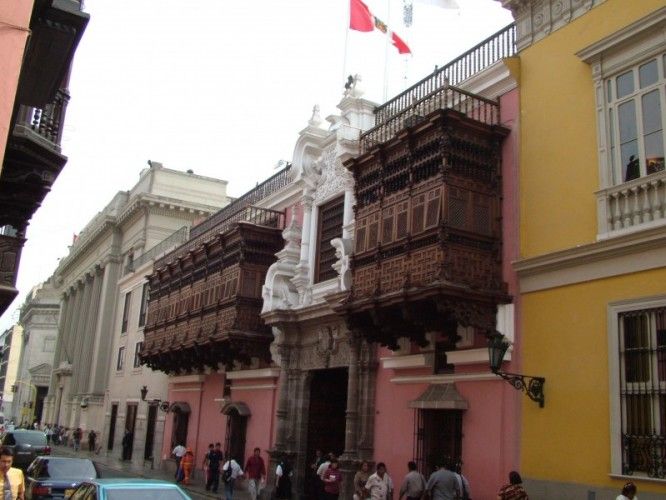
(16, 14)
(492, 421)
(261, 424)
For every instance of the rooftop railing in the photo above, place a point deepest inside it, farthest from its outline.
(175, 239)
(261, 191)
(494, 48)
(249, 214)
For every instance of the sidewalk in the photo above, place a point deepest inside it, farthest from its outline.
(196, 487)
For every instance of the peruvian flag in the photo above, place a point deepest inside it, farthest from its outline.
(361, 19)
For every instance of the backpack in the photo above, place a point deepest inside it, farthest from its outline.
(226, 473)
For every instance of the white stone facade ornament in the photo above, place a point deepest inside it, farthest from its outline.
(315, 119)
(343, 251)
(334, 177)
(278, 291)
(353, 87)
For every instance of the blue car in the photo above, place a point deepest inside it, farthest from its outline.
(128, 489)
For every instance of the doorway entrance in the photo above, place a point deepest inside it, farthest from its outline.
(438, 436)
(112, 427)
(326, 418)
(130, 423)
(150, 432)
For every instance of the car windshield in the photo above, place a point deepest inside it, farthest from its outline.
(67, 468)
(32, 438)
(143, 493)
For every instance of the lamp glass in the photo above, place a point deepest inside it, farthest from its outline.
(497, 347)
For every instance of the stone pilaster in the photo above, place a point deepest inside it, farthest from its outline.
(85, 360)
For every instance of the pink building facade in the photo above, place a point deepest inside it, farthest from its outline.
(357, 380)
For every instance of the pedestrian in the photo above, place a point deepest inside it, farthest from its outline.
(126, 443)
(379, 485)
(628, 492)
(514, 490)
(255, 471)
(230, 472)
(360, 478)
(187, 464)
(283, 473)
(12, 482)
(332, 480)
(414, 485)
(213, 460)
(443, 483)
(463, 483)
(321, 470)
(178, 452)
(92, 437)
(49, 434)
(77, 435)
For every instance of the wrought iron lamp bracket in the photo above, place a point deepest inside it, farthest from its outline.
(531, 386)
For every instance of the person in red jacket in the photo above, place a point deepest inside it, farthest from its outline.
(187, 463)
(332, 480)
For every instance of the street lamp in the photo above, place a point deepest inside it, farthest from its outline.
(165, 406)
(498, 344)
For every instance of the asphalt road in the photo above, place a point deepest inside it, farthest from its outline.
(106, 471)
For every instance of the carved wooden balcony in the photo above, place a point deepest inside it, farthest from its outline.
(205, 300)
(428, 229)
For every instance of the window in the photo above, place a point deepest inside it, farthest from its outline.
(636, 120)
(642, 370)
(137, 350)
(330, 227)
(121, 358)
(438, 433)
(144, 305)
(126, 309)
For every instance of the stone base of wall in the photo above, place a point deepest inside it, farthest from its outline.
(554, 490)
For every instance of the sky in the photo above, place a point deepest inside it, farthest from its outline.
(223, 88)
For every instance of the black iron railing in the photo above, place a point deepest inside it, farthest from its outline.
(163, 246)
(446, 97)
(47, 122)
(261, 191)
(392, 113)
(249, 214)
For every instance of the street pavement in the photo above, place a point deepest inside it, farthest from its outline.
(113, 467)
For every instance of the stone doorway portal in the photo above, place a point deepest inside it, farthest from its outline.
(326, 418)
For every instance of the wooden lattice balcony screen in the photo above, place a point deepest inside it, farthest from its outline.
(428, 224)
(205, 305)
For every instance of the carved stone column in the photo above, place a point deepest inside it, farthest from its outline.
(281, 426)
(302, 278)
(91, 322)
(348, 460)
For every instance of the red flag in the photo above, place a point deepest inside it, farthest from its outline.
(399, 44)
(360, 18)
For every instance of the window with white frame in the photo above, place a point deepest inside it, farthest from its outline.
(121, 358)
(641, 408)
(636, 109)
(137, 350)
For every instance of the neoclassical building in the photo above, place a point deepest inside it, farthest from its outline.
(135, 221)
(39, 318)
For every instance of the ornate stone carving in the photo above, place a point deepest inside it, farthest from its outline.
(343, 250)
(334, 177)
(279, 292)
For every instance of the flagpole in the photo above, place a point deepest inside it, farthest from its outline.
(344, 57)
(386, 53)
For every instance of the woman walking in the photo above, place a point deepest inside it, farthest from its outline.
(514, 490)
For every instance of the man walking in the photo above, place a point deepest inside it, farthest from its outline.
(255, 470)
(11, 478)
(414, 484)
(212, 461)
(443, 483)
(178, 453)
(379, 486)
(230, 472)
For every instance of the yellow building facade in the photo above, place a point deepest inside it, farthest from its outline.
(593, 244)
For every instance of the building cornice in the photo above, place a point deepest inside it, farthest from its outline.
(630, 253)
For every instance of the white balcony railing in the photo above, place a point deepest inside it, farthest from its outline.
(634, 205)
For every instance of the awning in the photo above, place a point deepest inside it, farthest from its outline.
(440, 397)
(180, 407)
(241, 408)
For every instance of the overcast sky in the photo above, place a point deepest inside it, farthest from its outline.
(221, 87)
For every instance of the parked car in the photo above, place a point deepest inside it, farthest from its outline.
(57, 477)
(27, 445)
(128, 489)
